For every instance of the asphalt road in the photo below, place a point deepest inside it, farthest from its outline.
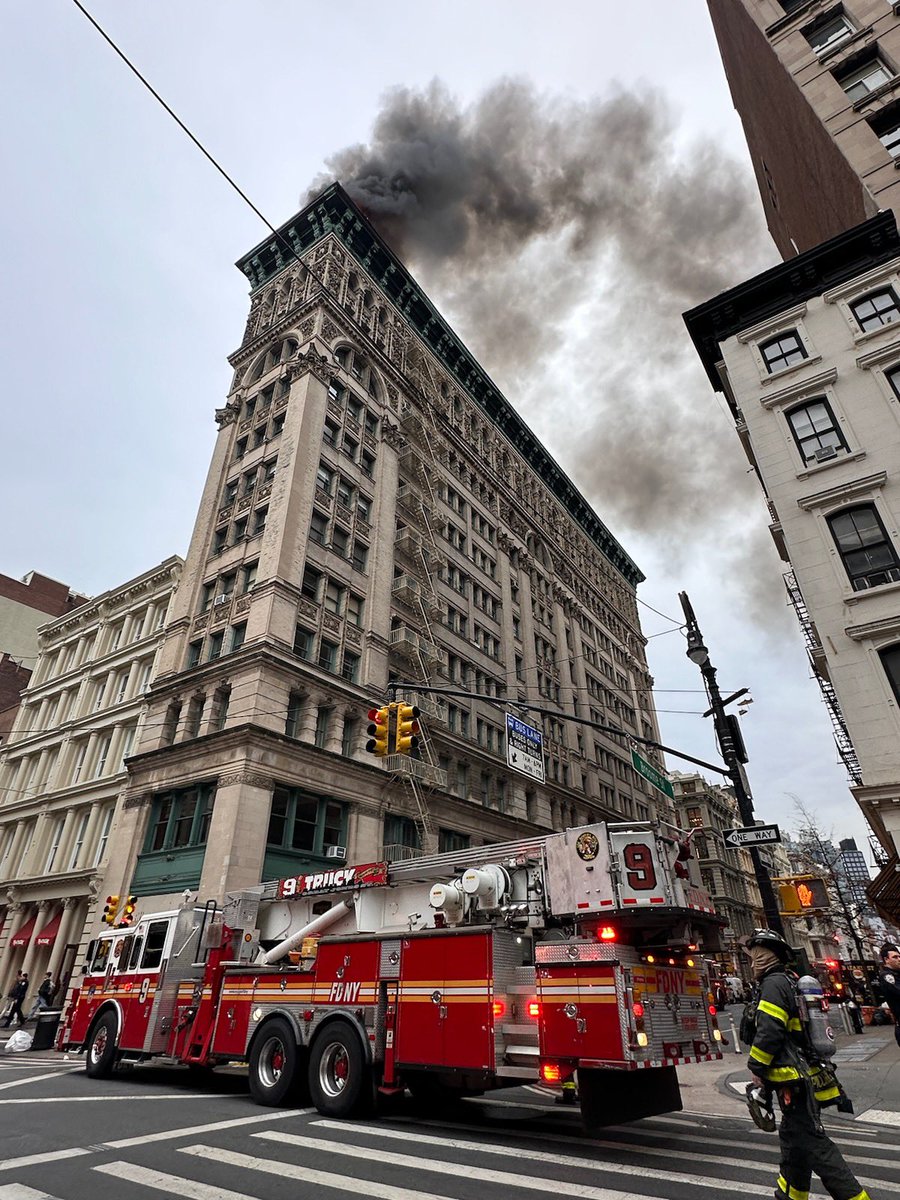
(153, 1132)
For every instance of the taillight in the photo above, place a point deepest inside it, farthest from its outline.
(637, 1009)
(712, 1010)
(533, 1009)
(499, 1008)
(551, 1072)
(607, 934)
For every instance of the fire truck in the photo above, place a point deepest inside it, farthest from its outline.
(571, 955)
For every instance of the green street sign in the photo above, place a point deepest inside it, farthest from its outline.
(652, 775)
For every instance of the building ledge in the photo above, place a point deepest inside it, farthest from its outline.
(800, 388)
(843, 491)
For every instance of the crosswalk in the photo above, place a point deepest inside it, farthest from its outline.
(406, 1157)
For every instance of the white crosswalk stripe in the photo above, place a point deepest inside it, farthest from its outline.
(446, 1160)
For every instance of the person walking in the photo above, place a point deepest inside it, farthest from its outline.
(44, 998)
(889, 983)
(782, 1060)
(17, 995)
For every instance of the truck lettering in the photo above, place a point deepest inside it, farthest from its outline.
(669, 982)
(344, 993)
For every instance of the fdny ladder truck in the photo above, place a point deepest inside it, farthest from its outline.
(572, 955)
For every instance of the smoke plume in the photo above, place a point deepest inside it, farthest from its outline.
(563, 239)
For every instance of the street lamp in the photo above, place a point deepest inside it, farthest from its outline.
(732, 751)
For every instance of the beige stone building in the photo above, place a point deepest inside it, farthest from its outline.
(808, 357)
(62, 770)
(375, 512)
(817, 87)
(727, 874)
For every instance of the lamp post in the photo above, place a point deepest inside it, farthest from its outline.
(731, 749)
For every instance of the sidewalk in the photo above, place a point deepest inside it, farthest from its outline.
(868, 1066)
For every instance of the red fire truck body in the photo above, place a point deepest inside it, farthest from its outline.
(453, 974)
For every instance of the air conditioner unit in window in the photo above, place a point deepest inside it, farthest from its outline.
(825, 452)
(335, 851)
(222, 598)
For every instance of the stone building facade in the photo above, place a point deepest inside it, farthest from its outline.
(62, 770)
(817, 88)
(375, 512)
(727, 874)
(808, 357)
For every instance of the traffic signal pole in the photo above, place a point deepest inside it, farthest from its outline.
(699, 655)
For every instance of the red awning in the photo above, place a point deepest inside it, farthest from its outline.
(23, 937)
(47, 936)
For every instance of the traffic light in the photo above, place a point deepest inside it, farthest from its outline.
(379, 731)
(127, 917)
(112, 907)
(406, 739)
(802, 893)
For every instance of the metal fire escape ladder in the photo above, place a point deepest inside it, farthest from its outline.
(842, 740)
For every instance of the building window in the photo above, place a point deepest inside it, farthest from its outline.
(348, 736)
(363, 507)
(890, 660)
(350, 667)
(325, 478)
(305, 822)
(55, 838)
(340, 542)
(886, 128)
(179, 819)
(103, 839)
(330, 436)
(215, 646)
(248, 577)
(865, 549)
(102, 755)
(815, 431)
(194, 651)
(825, 35)
(877, 309)
(303, 639)
(449, 839)
(238, 633)
(294, 708)
(360, 555)
(323, 723)
(354, 612)
(864, 79)
(783, 351)
(259, 521)
(79, 840)
(327, 655)
(311, 583)
(318, 527)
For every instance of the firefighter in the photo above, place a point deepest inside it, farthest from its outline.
(781, 1059)
(889, 983)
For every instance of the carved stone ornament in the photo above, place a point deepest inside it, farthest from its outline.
(227, 415)
(330, 331)
(392, 435)
(251, 778)
(137, 801)
(314, 364)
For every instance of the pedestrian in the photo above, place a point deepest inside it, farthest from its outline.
(889, 983)
(44, 997)
(782, 1061)
(17, 995)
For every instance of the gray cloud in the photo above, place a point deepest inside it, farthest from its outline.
(564, 238)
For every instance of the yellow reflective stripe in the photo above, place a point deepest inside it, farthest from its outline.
(795, 1193)
(794, 1025)
(780, 1074)
(828, 1094)
(761, 1055)
(863, 1195)
(773, 1010)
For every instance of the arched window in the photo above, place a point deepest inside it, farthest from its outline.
(355, 364)
(278, 353)
(866, 551)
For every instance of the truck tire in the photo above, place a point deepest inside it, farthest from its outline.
(100, 1058)
(340, 1079)
(274, 1062)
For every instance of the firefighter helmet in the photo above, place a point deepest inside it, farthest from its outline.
(771, 941)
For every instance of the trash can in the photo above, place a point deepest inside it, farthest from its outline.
(45, 1028)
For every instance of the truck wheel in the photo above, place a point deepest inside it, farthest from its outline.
(273, 1063)
(340, 1079)
(101, 1047)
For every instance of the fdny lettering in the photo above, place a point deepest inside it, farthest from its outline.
(344, 993)
(669, 982)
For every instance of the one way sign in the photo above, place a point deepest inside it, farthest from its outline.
(751, 835)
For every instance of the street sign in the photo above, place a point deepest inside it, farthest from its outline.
(524, 748)
(652, 774)
(751, 835)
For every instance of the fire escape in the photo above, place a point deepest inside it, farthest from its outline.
(415, 653)
(817, 662)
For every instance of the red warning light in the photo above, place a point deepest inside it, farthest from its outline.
(607, 934)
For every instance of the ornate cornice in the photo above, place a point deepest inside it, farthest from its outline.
(229, 414)
(310, 362)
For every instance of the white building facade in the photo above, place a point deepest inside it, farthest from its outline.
(62, 770)
(808, 357)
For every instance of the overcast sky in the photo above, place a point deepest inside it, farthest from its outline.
(614, 125)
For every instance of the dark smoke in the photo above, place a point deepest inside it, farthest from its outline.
(564, 239)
